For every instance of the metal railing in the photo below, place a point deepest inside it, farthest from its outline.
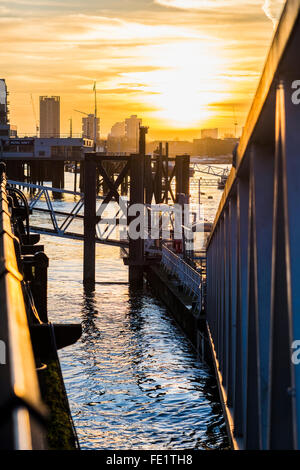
(61, 221)
(211, 170)
(45, 192)
(49, 136)
(21, 408)
(186, 275)
(253, 261)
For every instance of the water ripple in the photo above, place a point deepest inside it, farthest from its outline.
(133, 379)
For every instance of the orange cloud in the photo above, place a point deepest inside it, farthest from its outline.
(169, 68)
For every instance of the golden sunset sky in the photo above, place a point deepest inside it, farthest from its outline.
(181, 65)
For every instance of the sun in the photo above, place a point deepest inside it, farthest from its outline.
(183, 83)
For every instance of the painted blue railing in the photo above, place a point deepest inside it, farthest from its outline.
(253, 260)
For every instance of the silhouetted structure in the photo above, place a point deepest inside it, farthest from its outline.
(49, 116)
(88, 127)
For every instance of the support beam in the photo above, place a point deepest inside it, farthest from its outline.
(158, 176)
(241, 306)
(285, 273)
(260, 263)
(182, 173)
(89, 261)
(136, 247)
(75, 176)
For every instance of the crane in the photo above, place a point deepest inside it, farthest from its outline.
(81, 112)
(34, 113)
(92, 115)
(95, 116)
(71, 127)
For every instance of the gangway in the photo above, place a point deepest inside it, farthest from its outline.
(211, 170)
(222, 173)
(60, 221)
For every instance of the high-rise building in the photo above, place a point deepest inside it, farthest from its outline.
(209, 133)
(3, 102)
(118, 129)
(132, 126)
(4, 112)
(49, 116)
(88, 127)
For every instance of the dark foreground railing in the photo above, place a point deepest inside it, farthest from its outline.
(21, 408)
(253, 260)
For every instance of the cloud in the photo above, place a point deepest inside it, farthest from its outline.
(205, 52)
(37, 3)
(104, 28)
(81, 29)
(272, 9)
(4, 10)
(202, 4)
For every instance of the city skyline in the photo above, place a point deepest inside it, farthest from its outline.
(181, 66)
(123, 135)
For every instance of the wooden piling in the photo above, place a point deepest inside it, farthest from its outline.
(89, 261)
(158, 176)
(136, 247)
(75, 176)
(182, 172)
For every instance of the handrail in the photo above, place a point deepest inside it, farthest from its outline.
(187, 276)
(46, 188)
(21, 408)
(60, 227)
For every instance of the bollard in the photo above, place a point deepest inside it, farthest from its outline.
(40, 285)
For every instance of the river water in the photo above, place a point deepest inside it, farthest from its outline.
(133, 379)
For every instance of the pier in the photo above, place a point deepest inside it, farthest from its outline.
(235, 299)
